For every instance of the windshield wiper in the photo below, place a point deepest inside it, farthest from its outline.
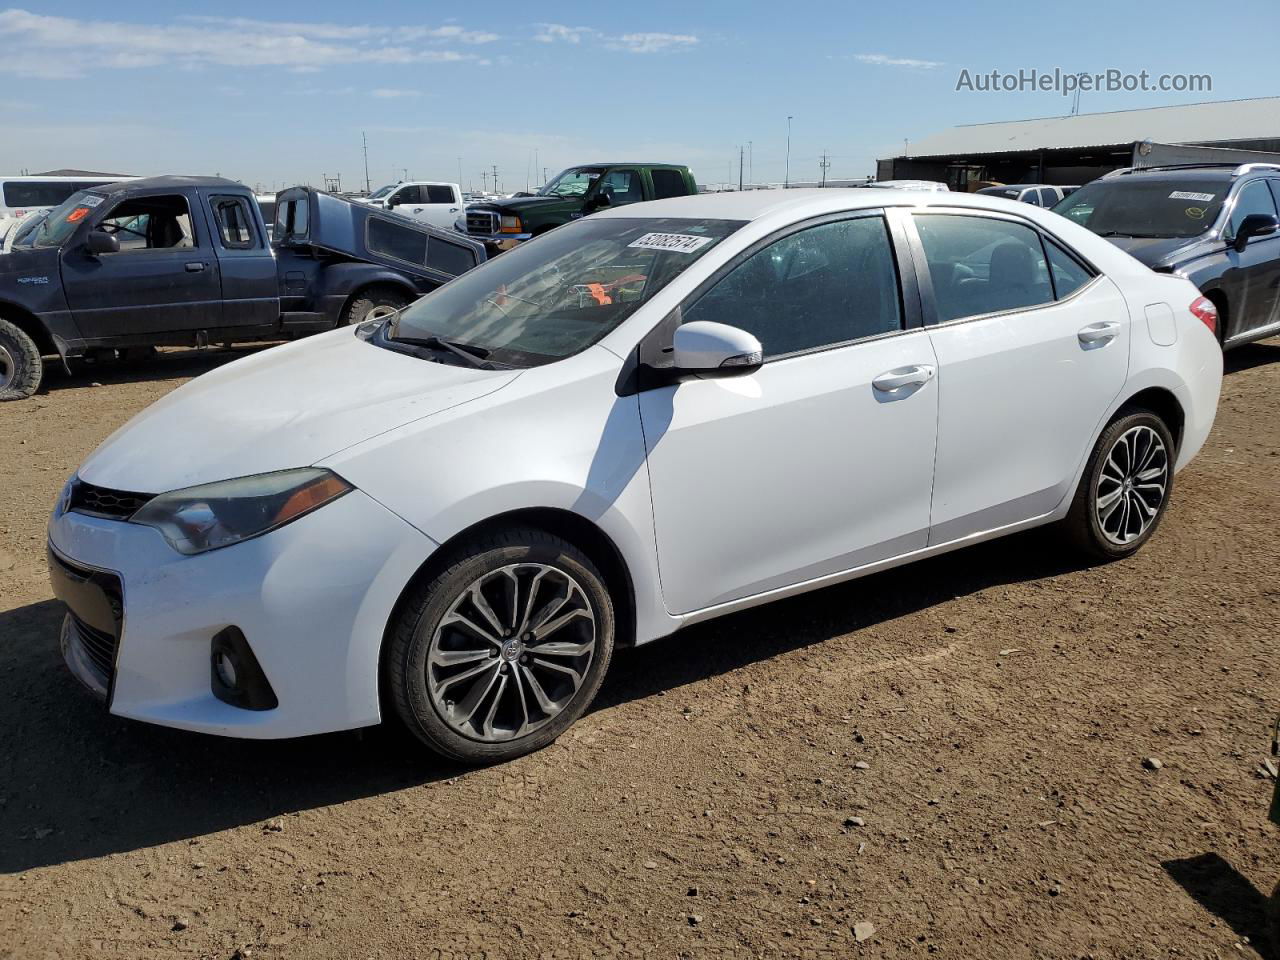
(1131, 236)
(476, 356)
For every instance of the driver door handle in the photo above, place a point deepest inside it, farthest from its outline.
(195, 267)
(895, 380)
(1099, 332)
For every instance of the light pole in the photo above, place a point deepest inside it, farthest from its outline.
(751, 163)
(786, 180)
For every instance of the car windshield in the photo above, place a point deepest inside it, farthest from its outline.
(24, 234)
(557, 295)
(1147, 207)
(64, 218)
(381, 192)
(1008, 192)
(574, 182)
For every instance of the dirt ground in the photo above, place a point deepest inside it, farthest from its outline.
(943, 759)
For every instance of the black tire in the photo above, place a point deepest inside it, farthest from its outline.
(420, 619)
(1082, 524)
(371, 300)
(21, 368)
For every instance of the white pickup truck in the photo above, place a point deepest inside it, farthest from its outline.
(435, 202)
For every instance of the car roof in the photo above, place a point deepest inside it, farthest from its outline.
(625, 163)
(757, 204)
(1177, 173)
(167, 182)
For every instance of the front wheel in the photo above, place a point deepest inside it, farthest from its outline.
(503, 649)
(21, 368)
(375, 304)
(1125, 489)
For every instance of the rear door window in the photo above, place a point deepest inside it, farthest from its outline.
(667, 183)
(439, 193)
(234, 222)
(983, 265)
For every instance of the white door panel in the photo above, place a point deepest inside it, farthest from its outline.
(1021, 397)
(801, 469)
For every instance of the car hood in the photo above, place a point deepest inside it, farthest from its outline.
(516, 204)
(1154, 251)
(284, 407)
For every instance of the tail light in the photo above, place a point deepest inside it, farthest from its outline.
(1206, 313)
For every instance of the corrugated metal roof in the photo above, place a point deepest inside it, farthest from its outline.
(1185, 123)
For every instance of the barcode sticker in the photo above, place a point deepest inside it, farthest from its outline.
(675, 242)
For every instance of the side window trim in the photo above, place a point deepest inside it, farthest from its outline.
(215, 201)
(924, 281)
(658, 339)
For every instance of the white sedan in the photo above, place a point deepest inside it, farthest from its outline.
(647, 418)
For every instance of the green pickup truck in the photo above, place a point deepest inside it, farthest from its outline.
(578, 191)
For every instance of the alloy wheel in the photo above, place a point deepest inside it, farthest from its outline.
(1132, 485)
(511, 652)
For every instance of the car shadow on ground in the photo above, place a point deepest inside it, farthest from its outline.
(76, 783)
(1251, 355)
(167, 364)
(1219, 888)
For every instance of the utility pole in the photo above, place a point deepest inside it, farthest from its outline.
(751, 164)
(459, 173)
(824, 163)
(740, 153)
(406, 172)
(365, 143)
(495, 178)
(484, 179)
(786, 182)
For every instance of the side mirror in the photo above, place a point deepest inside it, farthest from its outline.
(99, 242)
(707, 349)
(392, 201)
(1254, 225)
(603, 198)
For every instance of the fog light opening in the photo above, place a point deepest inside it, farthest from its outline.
(235, 676)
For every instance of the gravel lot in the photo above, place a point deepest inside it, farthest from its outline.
(943, 759)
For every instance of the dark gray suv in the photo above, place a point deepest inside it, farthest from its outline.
(1216, 225)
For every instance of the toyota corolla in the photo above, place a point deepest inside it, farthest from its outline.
(642, 420)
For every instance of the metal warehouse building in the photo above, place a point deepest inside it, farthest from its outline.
(1080, 148)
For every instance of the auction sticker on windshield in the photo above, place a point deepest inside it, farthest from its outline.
(1185, 195)
(675, 242)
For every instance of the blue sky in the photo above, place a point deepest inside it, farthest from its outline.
(279, 93)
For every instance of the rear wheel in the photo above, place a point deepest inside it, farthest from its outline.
(21, 368)
(376, 303)
(503, 649)
(1125, 488)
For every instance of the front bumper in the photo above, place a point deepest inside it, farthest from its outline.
(499, 242)
(312, 598)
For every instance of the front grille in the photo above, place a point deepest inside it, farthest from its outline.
(102, 502)
(98, 646)
(481, 222)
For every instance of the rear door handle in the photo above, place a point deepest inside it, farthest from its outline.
(1099, 332)
(195, 267)
(895, 380)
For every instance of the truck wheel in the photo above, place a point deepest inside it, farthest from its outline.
(373, 304)
(21, 368)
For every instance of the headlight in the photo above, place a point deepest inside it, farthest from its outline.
(215, 515)
(510, 225)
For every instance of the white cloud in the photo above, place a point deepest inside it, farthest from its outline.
(559, 33)
(391, 93)
(652, 42)
(630, 42)
(196, 42)
(884, 60)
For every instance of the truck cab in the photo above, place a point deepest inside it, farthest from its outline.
(180, 261)
(574, 193)
(432, 201)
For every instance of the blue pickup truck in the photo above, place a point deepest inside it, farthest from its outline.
(182, 261)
